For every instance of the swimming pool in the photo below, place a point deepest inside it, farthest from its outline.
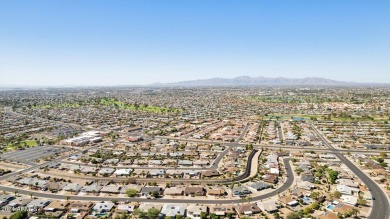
(330, 207)
(100, 215)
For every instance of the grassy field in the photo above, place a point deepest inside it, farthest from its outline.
(321, 118)
(31, 143)
(26, 143)
(116, 103)
(138, 107)
(292, 99)
(10, 148)
(64, 105)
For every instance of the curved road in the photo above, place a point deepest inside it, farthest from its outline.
(274, 192)
(234, 144)
(380, 209)
(381, 206)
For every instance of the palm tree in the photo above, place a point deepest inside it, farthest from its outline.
(331, 196)
(355, 211)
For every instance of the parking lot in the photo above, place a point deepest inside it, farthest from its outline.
(28, 155)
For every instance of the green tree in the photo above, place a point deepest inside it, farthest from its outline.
(203, 215)
(307, 210)
(124, 215)
(380, 160)
(213, 216)
(139, 213)
(298, 170)
(361, 201)
(248, 198)
(156, 194)
(131, 192)
(332, 176)
(337, 194)
(315, 195)
(293, 215)
(316, 205)
(228, 215)
(19, 215)
(355, 211)
(153, 212)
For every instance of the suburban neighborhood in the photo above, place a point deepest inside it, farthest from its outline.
(194, 153)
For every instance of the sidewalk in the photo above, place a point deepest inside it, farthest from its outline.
(380, 186)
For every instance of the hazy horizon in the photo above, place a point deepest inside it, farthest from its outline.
(174, 83)
(100, 43)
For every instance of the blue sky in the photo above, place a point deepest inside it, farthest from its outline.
(80, 42)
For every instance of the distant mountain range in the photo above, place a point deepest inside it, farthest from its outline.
(242, 81)
(262, 81)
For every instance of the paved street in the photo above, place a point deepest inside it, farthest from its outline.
(274, 146)
(28, 155)
(381, 206)
(280, 131)
(273, 192)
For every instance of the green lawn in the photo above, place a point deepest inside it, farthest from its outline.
(12, 147)
(64, 105)
(320, 117)
(138, 107)
(31, 143)
(119, 104)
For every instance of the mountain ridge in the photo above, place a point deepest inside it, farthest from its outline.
(240, 81)
(262, 81)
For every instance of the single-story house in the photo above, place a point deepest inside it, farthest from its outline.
(150, 189)
(172, 210)
(268, 206)
(197, 191)
(259, 185)
(112, 189)
(123, 172)
(247, 209)
(194, 211)
(103, 207)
